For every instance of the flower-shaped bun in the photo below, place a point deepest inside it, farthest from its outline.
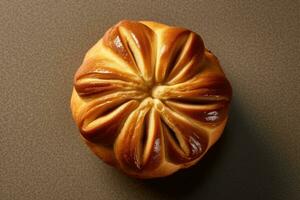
(150, 99)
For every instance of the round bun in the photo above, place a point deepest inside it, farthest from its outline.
(150, 99)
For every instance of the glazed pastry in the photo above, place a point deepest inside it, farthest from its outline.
(150, 99)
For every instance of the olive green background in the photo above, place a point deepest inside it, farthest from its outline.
(42, 45)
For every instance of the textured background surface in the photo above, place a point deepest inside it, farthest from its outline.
(43, 43)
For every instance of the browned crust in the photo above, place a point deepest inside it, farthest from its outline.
(149, 99)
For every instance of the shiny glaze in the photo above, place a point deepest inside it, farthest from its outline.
(151, 93)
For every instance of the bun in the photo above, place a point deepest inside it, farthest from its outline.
(150, 99)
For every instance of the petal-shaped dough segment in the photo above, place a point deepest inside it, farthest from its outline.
(92, 86)
(184, 141)
(101, 119)
(135, 43)
(210, 114)
(153, 141)
(168, 50)
(198, 89)
(105, 68)
(188, 62)
(129, 144)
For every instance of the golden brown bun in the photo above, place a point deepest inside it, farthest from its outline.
(149, 99)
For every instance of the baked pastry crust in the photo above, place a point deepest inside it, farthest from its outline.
(150, 99)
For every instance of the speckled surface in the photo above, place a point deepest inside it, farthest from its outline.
(43, 43)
